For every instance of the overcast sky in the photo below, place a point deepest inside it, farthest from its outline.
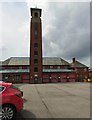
(65, 25)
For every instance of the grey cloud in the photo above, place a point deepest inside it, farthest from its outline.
(69, 30)
(66, 30)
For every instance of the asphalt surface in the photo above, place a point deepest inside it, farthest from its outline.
(63, 100)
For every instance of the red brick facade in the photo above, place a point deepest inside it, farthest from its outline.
(35, 46)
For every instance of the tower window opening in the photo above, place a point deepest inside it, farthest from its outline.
(36, 14)
(35, 60)
(35, 52)
(35, 44)
(35, 69)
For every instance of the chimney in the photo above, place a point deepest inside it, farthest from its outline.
(74, 60)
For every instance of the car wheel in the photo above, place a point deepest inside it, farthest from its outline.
(7, 112)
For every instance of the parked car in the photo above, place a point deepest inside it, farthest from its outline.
(11, 100)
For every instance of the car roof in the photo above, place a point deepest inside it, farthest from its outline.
(5, 84)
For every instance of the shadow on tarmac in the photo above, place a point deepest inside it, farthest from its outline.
(24, 115)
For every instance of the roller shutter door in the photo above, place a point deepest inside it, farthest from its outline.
(45, 78)
(72, 77)
(63, 78)
(54, 78)
(25, 78)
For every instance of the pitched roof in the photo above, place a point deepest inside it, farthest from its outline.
(17, 61)
(54, 61)
(6, 62)
(77, 64)
(25, 61)
(46, 61)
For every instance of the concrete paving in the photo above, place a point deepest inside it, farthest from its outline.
(59, 100)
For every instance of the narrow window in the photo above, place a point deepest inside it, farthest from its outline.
(35, 44)
(35, 52)
(35, 60)
(36, 14)
(35, 69)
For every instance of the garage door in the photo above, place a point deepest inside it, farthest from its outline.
(63, 78)
(25, 78)
(72, 77)
(45, 78)
(54, 78)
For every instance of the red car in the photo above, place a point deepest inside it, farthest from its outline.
(10, 100)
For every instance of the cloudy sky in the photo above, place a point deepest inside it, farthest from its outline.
(65, 25)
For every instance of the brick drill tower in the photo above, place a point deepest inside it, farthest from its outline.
(35, 46)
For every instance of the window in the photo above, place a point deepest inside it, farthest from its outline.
(43, 67)
(58, 67)
(6, 77)
(35, 69)
(35, 60)
(20, 67)
(66, 67)
(35, 44)
(36, 14)
(2, 89)
(35, 52)
(51, 66)
(16, 77)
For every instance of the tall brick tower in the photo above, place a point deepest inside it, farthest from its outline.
(35, 46)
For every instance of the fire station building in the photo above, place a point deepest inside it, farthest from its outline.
(16, 70)
(39, 69)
